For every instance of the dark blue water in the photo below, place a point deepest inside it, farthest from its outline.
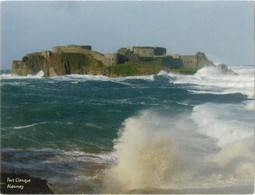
(41, 113)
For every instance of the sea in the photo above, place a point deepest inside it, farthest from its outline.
(164, 133)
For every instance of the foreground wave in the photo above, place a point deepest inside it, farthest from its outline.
(180, 153)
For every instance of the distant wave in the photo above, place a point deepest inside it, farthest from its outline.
(39, 75)
(28, 126)
(78, 77)
(206, 80)
(22, 127)
(211, 80)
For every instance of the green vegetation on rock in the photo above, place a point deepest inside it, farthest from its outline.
(146, 59)
(133, 69)
(77, 60)
(183, 71)
(124, 70)
(172, 62)
(85, 64)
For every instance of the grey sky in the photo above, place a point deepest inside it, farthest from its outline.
(223, 30)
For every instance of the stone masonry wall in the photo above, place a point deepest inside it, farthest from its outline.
(159, 51)
(189, 61)
(144, 52)
(111, 59)
(147, 51)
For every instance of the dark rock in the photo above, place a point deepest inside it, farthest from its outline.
(24, 59)
(12, 183)
(30, 64)
(225, 70)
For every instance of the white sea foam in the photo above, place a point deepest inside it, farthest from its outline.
(208, 148)
(28, 126)
(223, 122)
(39, 75)
(79, 156)
(162, 72)
(211, 80)
(249, 105)
(78, 77)
(65, 155)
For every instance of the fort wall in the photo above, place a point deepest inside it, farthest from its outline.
(144, 52)
(159, 51)
(71, 48)
(83, 49)
(110, 59)
(189, 61)
(175, 56)
(147, 51)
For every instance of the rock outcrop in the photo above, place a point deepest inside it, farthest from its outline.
(225, 70)
(22, 183)
(30, 64)
(81, 59)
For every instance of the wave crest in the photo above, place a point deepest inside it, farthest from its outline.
(161, 152)
(39, 75)
(147, 156)
(211, 80)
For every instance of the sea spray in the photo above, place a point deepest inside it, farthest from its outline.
(39, 75)
(147, 156)
(211, 80)
(236, 159)
(222, 122)
(157, 151)
(162, 152)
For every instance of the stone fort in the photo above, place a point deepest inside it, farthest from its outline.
(133, 54)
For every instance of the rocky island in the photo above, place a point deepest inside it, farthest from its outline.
(129, 61)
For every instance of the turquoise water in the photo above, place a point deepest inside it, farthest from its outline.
(75, 128)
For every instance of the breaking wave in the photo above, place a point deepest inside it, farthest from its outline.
(39, 75)
(211, 80)
(83, 78)
(175, 153)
